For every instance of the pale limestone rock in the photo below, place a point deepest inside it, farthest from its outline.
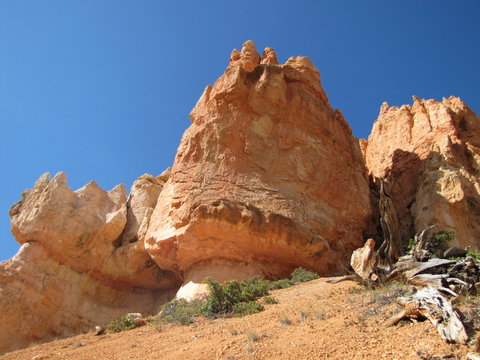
(140, 204)
(192, 291)
(41, 299)
(267, 178)
(432, 152)
(74, 271)
(364, 259)
(76, 227)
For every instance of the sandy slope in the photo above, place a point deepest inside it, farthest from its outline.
(327, 322)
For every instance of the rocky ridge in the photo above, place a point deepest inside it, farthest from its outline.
(267, 178)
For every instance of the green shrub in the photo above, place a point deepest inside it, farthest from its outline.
(247, 308)
(232, 298)
(270, 300)
(441, 238)
(226, 299)
(181, 311)
(280, 284)
(253, 288)
(121, 324)
(437, 243)
(408, 247)
(216, 302)
(475, 254)
(301, 275)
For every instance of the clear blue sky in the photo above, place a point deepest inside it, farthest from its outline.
(102, 89)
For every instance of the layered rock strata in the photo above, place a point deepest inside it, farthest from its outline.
(268, 177)
(430, 152)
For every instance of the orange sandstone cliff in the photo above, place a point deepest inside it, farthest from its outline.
(267, 178)
(430, 151)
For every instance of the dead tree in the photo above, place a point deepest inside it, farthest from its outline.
(391, 248)
(441, 278)
(429, 303)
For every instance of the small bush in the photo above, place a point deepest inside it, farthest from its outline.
(300, 275)
(436, 244)
(441, 238)
(303, 315)
(408, 247)
(247, 308)
(235, 297)
(270, 300)
(181, 311)
(280, 284)
(121, 324)
(475, 254)
(252, 337)
(285, 322)
(232, 298)
(320, 315)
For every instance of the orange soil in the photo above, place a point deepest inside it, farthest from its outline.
(327, 322)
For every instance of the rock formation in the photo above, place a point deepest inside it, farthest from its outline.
(267, 178)
(431, 153)
(80, 264)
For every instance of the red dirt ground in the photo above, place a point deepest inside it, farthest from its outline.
(341, 321)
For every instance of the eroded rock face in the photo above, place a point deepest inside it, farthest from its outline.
(268, 177)
(41, 299)
(431, 153)
(81, 263)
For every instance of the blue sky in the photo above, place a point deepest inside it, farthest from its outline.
(102, 89)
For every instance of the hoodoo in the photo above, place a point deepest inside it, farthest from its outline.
(267, 178)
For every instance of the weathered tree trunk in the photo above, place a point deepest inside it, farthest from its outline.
(420, 251)
(429, 303)
(391, 248)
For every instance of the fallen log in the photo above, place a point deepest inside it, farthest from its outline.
(358, 279)
(428, 267)
(429, 303)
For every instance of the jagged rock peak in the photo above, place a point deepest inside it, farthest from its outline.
(269, 57)
(249, 57)
(266, 78)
